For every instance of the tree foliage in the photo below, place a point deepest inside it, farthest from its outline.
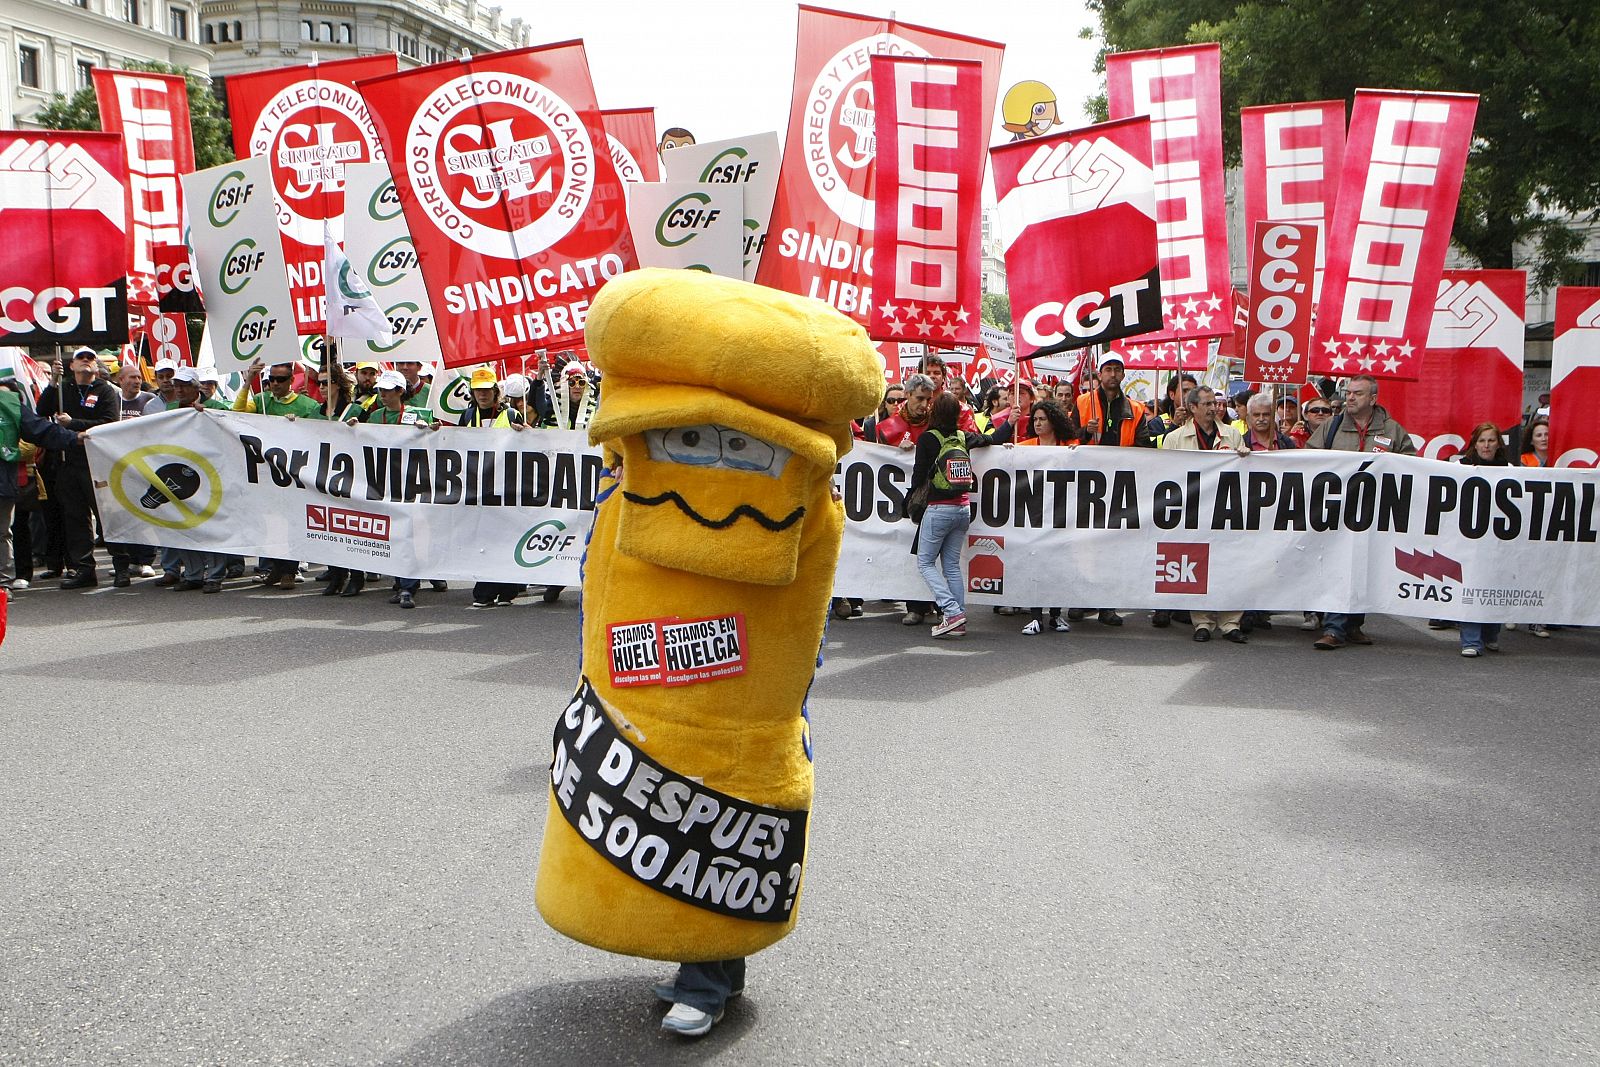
(1535, 64)
(213, 133)
(996, 310)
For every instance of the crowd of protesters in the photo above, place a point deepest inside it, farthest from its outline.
(48, 516)
(934, 414)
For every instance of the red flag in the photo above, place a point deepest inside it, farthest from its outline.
(1187, 353)
(1283, 263)
(151, 111)
(631, 135)
(824, 207)
(309, 122)
(175, 279)
(1575, 378)
(1077, 219)
(927, 231)
(63, 211)
(1292, 158)
(1181, 90)
(154, 335)
(1391, 229)
(514, 205)
(1471, 371)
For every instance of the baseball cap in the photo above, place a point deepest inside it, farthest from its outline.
(425, 372)
(391, 379)
(1110, 357)
(166, 364)
(85, 353)
(368, 366)
(483, 378)
(188, 374)
(207, 374)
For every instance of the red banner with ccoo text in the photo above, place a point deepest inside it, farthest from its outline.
(1180, 89)
(1293, 156)
(1403, 163)
(819, 242)
(927, 237)
(514, 204)
(1283, 264)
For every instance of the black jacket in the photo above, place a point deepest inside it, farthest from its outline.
(35, 430)
(87, 406)
(927, 449)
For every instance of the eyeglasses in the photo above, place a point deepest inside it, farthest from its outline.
(280, 378)
(1319, 411)
(894, 400)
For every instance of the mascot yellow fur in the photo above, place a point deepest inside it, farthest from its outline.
(681, 780)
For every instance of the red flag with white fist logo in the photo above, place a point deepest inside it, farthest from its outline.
(1077, 219)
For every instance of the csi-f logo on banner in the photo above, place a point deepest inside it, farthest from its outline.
(685, 219)
(229, 197)
(509, 163)
(547, 541)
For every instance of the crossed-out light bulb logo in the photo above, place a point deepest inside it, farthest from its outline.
(181, 480)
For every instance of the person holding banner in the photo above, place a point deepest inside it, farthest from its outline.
(1536, 447)
(942, 474)
(487, 410)
(1485, 448)
(1261, 433)
(903, 429)
(1363, 426)
(19, 423)
(575, 402)
(392, 409)
(1052, 427)
(1203, 432)
(79, 402)
(280, 399)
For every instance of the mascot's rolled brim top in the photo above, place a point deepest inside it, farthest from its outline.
(681, 778)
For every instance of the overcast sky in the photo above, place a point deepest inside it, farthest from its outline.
(725, 68)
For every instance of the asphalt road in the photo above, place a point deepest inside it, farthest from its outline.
(273, 828)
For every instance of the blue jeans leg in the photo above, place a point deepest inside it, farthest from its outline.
(951, 553)
(941, 523)
(1339, 625)
(408, 585)
(1472, 635)
(706, 985)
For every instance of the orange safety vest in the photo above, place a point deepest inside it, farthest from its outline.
(1089, 409)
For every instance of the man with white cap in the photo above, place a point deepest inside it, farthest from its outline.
(279, 399)
(80, 401)
(165, 368)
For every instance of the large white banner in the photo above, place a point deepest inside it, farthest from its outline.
(1133, 528)
(378, 242)
(495, 505)
(234, 236)
(750, 162)
(1278, 531)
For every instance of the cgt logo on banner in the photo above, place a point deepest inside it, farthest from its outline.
(751, 163)
(63, 209)
(1077, 218)
(986, 565)
(1575, 378)
(691, 226)
(1293, 154)
(514, 204)
(309, 123)
(240, 258)
(824, 204)
(1403, 165)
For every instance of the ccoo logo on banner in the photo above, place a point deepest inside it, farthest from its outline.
(513, 201)
(63, 209)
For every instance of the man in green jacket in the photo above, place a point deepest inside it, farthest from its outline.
(279, 399)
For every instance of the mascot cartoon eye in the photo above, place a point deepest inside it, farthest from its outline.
(717, 446)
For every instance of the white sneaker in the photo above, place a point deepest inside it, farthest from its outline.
(1060, 625)
(689, 1022)
(16, 584)
(144, 570)
(1032, 628)
(1310, 621)
(1470, 652)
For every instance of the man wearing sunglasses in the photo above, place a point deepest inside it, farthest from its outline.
(1312, 416)
(279, 399)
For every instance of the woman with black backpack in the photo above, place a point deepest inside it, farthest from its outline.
(941, 478)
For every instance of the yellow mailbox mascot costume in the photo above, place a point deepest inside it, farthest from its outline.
(681, 779)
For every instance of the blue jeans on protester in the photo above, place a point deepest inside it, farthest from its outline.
(939, 544)
(201, 566)
(706, 986)
(1339, 625)
(1478, 634)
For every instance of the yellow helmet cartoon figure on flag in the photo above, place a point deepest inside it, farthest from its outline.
(681, 780)
(1029, 110)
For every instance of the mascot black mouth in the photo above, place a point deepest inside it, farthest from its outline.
(754, 514)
